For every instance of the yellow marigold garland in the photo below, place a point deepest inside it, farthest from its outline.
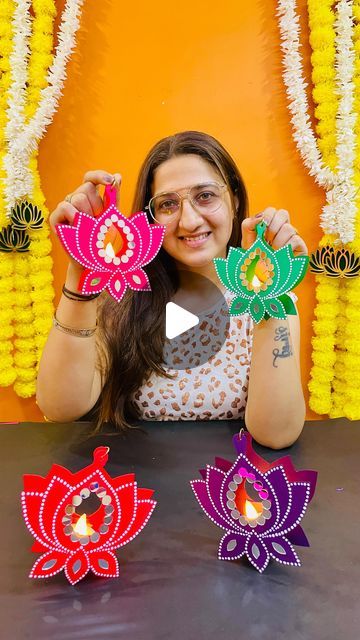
(7, 370)
(41, 47)
(30, 68)
(322, 40)
(37, 262)
(351, 330)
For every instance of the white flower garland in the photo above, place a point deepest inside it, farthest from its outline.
(296, 91)
(23, 138)
(51, 94)
(339, 213)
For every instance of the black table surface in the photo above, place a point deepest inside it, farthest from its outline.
(171, 584)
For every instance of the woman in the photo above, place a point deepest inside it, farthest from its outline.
(119, 366)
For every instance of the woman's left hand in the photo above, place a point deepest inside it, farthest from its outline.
(279, 232)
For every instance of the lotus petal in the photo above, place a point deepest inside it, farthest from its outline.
(275, 308)
(87, 228)
(143, 513)
(240, 306)
(104, 563)
(234, 258)
(297, 536)
(276, 477)
(257, 309)
(201, 493)
(48, 564)
(127, 500)
(223, 464)
(257, 552)
(151, 238)
(77, 566)
(232, 546)
(221, 270)
(300, 495)
(288, 303)
(94, 281)
(117, 286)
(214, 482)
(137, 280)
(75, 238)
(50, 506)
(281, 550)
(31, 506)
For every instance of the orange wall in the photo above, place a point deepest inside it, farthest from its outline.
(145, 70)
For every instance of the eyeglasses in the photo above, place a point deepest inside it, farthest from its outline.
(205, 198)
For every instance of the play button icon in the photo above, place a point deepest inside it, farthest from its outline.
(197, 322)
(178, 320)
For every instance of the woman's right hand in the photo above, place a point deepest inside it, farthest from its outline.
(86, 199)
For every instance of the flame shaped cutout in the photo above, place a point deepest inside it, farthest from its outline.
(113, 242)
(251, 511)
(82, 527)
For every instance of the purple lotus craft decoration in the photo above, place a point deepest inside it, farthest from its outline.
(259, 504)
(112, 248)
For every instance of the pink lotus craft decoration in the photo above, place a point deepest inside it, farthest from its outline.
(56, 512)
(112, 248)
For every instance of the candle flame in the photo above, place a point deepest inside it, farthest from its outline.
(256, 282)
(113, 242)
(109, 250)
(82, 526)
(250, 511)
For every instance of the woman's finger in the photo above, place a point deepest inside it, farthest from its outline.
(93, 196)
(116, 186)
(275, 220)
(287, 231)
(93, 179)
(248, 226)
(98, 177)
(63, 214)
(81, 202)
(298, 246)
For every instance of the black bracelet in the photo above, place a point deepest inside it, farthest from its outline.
(79, 297)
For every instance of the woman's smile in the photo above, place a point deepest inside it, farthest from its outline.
(196, 240)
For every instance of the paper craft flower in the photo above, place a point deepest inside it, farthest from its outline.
(26, 215)
(258, 504)
(112, 248)
(79, 519)
(261, 277)
(335, 263)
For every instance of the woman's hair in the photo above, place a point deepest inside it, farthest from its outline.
(132, 334)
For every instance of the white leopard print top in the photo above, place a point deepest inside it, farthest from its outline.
(214, 391)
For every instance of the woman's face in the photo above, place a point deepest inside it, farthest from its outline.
(179, 174)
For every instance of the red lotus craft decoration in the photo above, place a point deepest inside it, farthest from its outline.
(75, 541)
(112, 248)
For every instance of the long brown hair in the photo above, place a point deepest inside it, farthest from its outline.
(131, 334)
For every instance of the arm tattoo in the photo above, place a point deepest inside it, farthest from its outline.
(282, 333)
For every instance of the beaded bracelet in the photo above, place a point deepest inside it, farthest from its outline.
(79, 333)
(78, 297)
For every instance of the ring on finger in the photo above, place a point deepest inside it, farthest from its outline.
(68, 197)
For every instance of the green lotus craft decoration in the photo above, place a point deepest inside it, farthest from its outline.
(262, 278)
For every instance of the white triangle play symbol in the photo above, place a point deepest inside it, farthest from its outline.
(178, 320)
